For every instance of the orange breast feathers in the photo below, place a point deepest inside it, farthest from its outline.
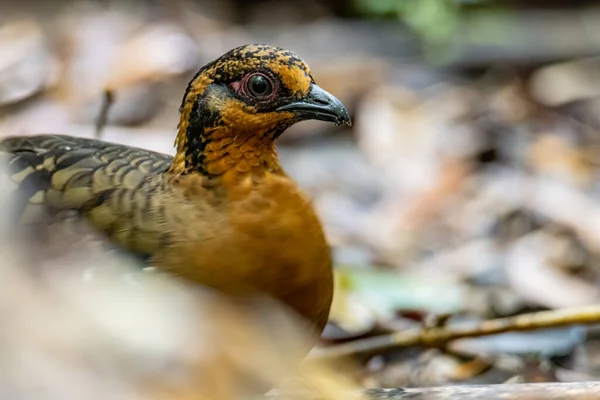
(264, 238)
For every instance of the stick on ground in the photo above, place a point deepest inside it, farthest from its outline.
(439, 337)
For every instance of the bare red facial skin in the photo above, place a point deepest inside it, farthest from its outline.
(241, 87)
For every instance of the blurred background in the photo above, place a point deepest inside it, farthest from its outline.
(467, 186)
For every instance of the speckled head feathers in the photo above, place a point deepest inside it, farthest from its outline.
(233, 65)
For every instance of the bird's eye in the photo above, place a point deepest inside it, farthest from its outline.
(259, 86)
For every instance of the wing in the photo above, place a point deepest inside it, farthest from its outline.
(55, 178)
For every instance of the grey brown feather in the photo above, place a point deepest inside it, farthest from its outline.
(56, 179)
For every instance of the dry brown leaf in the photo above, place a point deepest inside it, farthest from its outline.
(552, 155)
(565, 82)
(531, 273)
(27, 66)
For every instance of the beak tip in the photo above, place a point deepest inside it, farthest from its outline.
(341, 113)
(344, 120)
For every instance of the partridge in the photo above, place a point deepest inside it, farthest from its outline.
(222, 212)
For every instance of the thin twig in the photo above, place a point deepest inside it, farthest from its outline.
(107, 101)
(438, 337)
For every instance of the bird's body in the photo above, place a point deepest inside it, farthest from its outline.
(222, 212)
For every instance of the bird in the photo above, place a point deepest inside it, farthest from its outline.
(221, 212)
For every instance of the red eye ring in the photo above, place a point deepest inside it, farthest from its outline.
(257, 85)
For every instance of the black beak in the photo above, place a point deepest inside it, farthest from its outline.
(321, 105)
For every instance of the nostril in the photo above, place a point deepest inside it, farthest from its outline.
(321, 99)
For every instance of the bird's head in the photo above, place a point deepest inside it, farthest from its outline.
(237, 105)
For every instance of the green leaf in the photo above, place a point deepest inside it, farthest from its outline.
(388, 291)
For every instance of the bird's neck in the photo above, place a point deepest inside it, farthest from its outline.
(219, 152)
